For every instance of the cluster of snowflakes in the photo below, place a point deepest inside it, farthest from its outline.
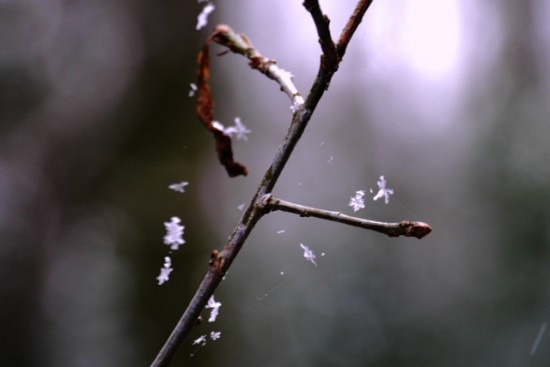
(174, 239)
(214, 335)
(173, 236)
(201, 340)
(174, 229)
(357, 202)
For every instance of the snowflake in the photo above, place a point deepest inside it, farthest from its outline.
(383, 191)
(179, 187)
(239, 129)
(193, 89)
(308, 254)
(215, 306)
(202, 19)
(215, 335)
(174, 233)
(165, 271)
(200, 340)
(357, 202)
(296, 106)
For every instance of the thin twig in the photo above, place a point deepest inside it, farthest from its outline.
(329, 57)
(351, 26)
(404, 228)
(240, 44)
(222, 260)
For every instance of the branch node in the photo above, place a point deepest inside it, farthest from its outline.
(216, 261)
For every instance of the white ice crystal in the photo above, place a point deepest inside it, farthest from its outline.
(165, 271)
(174, 233)
(193, 89)
(200, 340)
(308, 254)
(383, 191)
(215, 335)
(215, 306)
(357, 202)
(179, 187)
(202, 19)
(238, 129)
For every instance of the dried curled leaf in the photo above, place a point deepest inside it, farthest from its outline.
(205, 112)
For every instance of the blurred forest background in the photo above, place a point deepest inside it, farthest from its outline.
(448, 99)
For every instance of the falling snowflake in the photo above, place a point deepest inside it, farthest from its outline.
(383, 191)
(215, 335)
(174, 233)
(357, 202)
(308, 254)
(165, 271)
(193, 89)
(215, 306)
(238, 129)
(202, 19)
(179, 187)
(241, 206)
(200, 340)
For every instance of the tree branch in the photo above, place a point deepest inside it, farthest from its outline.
(351, 26)
(240, 44)
(404, 228)
(329, 57)
(222, 260)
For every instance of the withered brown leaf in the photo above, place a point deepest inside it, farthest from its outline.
(205, 112)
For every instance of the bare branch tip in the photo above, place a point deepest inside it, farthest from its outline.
(415, 229)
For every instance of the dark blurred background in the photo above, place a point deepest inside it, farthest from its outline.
(449, 100)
